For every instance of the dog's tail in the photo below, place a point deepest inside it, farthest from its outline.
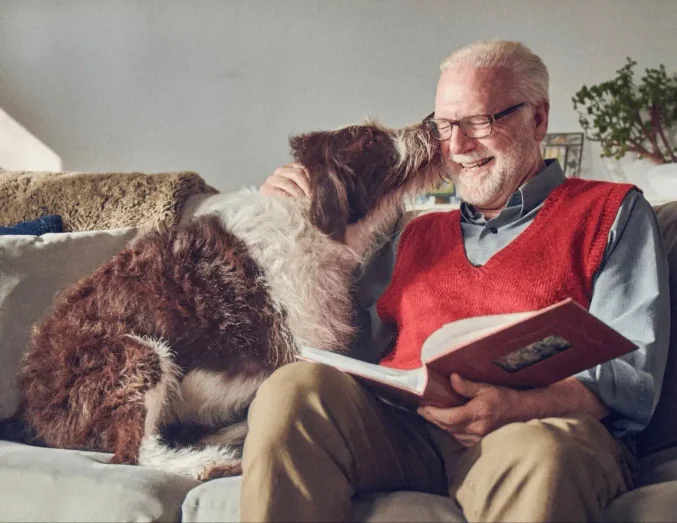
(201, 463)
(150, 387)
(206, 454)
(92, 398)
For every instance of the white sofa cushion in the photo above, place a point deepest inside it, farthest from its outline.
(216, 500)
(39, 484)
(32, 270)
(219, 500)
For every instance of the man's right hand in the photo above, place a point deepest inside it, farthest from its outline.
(289, 181)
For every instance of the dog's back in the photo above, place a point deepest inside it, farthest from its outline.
(181, 300)
(176, 333)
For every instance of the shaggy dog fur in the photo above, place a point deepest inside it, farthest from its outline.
(158, 354)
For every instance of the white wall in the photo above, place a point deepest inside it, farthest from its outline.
(217, 86)
(20, 150)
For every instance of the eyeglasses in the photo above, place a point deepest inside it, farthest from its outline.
(477, 126)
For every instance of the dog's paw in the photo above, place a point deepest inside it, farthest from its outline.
(222, 470)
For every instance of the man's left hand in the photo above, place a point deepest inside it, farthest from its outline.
(488, 408)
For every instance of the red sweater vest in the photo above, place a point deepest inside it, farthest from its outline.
(555, 257)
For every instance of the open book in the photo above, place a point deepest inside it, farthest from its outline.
(520, 350)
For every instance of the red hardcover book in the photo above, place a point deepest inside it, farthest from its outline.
(521, 350)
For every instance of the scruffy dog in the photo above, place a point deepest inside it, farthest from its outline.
(157, 355)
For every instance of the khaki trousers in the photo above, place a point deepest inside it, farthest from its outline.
(317, 437)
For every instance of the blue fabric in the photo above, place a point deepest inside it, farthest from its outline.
(42, 225)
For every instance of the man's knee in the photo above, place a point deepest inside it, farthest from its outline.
(543, 470)
(289, 391)
(548, 447)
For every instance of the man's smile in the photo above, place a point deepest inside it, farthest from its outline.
(478, 163)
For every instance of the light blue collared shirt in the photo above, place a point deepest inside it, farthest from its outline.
(630, 294)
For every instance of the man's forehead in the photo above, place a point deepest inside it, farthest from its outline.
(464, 91)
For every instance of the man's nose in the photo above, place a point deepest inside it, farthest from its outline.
(459, 143)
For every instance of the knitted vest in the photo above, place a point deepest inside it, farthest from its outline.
(555, 257)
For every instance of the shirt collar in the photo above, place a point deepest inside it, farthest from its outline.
(528, 196)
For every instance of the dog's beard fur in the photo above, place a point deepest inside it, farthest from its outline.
(135, 350)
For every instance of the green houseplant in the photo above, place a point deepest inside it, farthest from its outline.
(632, 118)
(636, 118)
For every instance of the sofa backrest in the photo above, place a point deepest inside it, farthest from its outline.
(662, 430)
(34, 269)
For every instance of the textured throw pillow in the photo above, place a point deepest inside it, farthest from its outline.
(662, 431)
(32, 270)
(98, 201)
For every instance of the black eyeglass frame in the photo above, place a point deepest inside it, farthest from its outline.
(492, 118)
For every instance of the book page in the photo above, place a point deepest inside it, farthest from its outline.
(458, 332)
(409, 379)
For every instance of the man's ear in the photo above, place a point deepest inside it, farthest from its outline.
(329, 207)
(541, 112)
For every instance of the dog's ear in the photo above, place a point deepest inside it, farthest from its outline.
(309, 148)
(329, 208)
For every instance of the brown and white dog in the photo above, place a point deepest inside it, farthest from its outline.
(157, 355)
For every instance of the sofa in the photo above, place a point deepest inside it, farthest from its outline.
(43, 484)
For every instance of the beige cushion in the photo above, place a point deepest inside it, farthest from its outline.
(38, 484)
(98, 201)
(32, 270)
(650, 503)
(406, 506)
(219, 500)
(216, 500)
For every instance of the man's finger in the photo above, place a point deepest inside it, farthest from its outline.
(454, 416)
(467, 440)
(464, 387)
(433, 421)
(268, 190)
(300, 176)
(286, 185)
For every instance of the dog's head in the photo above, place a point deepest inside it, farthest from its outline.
(356, 169)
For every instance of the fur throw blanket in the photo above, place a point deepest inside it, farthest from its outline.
(97, 201)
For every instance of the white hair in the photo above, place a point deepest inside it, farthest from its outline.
(529, 73)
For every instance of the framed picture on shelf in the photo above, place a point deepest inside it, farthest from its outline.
(442, 196)
(567, 148)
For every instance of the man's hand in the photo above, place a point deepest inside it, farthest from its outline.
(489, 408)
(290, 181)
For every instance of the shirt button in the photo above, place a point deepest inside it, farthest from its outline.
(494, 230)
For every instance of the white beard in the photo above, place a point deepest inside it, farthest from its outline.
(483, 185)
(479, 186)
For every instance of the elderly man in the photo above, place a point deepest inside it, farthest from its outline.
(523, 238)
